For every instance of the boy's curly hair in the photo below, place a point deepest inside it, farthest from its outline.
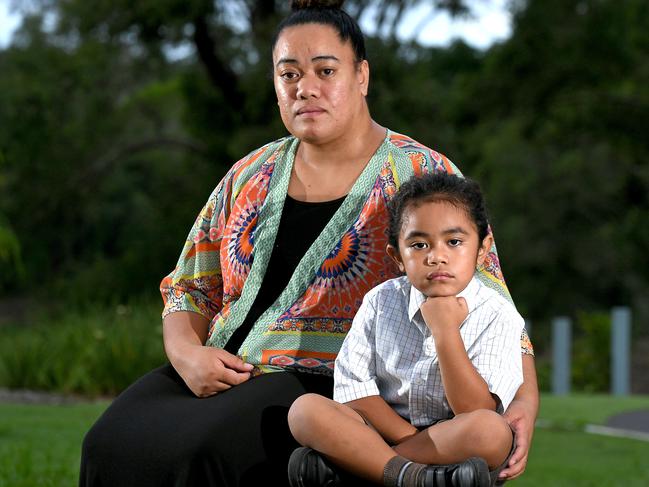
(438, 186)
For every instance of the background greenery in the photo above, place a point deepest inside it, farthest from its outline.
(91, 350)
(117, 119)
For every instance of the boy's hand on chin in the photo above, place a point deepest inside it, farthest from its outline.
(444, 313)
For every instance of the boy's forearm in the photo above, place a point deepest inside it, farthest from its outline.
(465, 389)
(392, 427)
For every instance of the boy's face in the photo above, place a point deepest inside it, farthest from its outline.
(438, 248)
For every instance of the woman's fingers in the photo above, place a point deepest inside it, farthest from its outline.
(232, 361)
(231, 377)
(518, 461)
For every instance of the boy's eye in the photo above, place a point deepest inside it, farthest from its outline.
(454, 242)
(327, 71)
(418, 245)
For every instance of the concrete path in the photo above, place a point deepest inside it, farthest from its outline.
(632, 420)
(632, 425)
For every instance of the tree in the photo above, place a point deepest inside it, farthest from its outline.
(229, 38)
(119, 142)
(90, 135)
(555, 134)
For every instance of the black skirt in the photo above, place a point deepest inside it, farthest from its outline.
(157, 433)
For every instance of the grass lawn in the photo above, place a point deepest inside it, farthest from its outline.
(40, 445)
(563, 455)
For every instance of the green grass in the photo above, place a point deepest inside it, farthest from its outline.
(588, 408)
(564, 458)
(40, 445)
(563, 455)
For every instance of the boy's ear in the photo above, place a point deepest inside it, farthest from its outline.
(396, 257)
(484, 249)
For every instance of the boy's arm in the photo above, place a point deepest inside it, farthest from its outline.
(464, 387)
(355, 381)
(392, 427)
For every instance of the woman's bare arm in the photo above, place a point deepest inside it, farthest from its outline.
(521, 415)
(205, 370)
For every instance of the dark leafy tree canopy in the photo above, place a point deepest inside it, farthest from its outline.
(110, 141)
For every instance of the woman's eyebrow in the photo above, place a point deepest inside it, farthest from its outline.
(325, 57)
(322, 57)
(286, 60)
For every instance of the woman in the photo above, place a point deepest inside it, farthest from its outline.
(302, 223)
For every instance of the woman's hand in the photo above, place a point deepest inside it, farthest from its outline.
(208, 370)
(521, 416)
(522, 422)
(205, 370)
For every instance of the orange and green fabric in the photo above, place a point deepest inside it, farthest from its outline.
(224, 259)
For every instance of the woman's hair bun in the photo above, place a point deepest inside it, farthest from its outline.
(301, 4)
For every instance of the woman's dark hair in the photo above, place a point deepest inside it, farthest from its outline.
(438, 186)
(326, 12)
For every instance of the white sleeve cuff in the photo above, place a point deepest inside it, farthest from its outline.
(352, 390)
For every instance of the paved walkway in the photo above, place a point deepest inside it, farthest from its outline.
(37, 397)
(632, 420)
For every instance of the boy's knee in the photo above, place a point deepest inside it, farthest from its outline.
(487, 417)
(304, 404)
(490, 433)
(303, 413)
(488, 422)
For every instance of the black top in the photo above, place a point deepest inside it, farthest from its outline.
(300, 225)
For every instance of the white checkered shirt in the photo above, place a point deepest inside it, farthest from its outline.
(390, 351)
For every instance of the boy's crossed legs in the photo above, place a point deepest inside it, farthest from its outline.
(343, 436)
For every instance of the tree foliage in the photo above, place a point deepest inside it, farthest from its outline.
(558, 139)
(110, 140)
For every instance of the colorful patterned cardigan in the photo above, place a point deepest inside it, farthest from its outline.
(225, 256)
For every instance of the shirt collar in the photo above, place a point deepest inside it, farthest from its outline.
(417, 298)
(469, 293)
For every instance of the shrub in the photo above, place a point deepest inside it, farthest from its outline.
(94, 350)
(591, 352)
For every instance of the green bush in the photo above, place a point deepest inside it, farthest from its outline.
(591, 352)
(10, 253)
(544, 373)
(95, 350)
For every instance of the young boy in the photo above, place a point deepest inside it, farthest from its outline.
(431, 359)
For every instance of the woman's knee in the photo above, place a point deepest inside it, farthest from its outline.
(90, 445)
(98, 439)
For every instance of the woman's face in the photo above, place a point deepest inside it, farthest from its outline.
(320, 89)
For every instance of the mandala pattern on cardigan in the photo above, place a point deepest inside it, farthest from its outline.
(239, 237)
(355, 265)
